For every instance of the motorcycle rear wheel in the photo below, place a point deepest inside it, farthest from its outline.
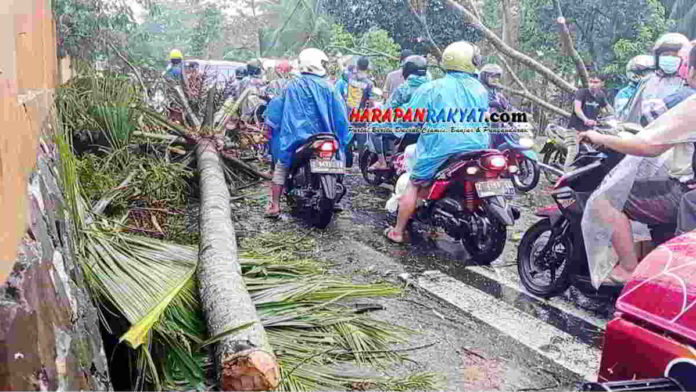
(322, 218)
(558, 283)
(528, 176)
(492, 248)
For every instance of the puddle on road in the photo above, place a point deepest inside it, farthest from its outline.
(440, 252)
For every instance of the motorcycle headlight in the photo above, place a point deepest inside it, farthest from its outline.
(526, 142)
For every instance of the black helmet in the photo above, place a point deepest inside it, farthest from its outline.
(414, 65)
(240, 72)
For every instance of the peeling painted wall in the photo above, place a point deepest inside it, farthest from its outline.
(49, 328)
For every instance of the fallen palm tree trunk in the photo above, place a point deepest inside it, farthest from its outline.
(245, 360)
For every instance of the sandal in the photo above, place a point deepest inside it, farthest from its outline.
(386, 234)
(273, 215)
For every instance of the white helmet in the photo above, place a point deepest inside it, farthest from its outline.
(313, 60)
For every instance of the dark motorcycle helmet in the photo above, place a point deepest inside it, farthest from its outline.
(414, 65)
(240, 73)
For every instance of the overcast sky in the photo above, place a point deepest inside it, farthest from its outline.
(140, 12)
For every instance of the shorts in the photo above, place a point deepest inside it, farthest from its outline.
(654, 201)
(421, 183)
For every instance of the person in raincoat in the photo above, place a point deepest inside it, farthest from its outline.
(342, 83)
(459, 89)
(637, 69)
(307, 106)
(646, 190)
(666, 80)
(415, 72)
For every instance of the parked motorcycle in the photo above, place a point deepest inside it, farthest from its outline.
(469, 200)
(517, 148)
(561, 258)
(315, 180)
(369, 156)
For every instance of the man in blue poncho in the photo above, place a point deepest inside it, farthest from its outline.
(459, 89)
(307, 106)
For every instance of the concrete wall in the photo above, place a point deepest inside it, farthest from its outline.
(49, 330)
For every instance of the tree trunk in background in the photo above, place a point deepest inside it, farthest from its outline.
(245, 360)
(512, 13)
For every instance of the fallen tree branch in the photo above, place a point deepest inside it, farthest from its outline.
(244, 165)
(421, 20)
(536, 100)
(510, 52)
(375, 52)
(104, 202)
(567, 43)
(513, 74)
(135, 71)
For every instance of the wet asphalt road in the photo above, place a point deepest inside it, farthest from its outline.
(529, 343)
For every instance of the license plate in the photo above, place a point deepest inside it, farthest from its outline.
(326, 166)
(495, 188)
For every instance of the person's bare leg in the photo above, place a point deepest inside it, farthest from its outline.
(622, 240)
(407, 206)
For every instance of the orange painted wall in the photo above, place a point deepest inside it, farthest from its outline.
(28, 74)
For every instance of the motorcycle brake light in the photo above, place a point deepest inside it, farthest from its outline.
(496, 162)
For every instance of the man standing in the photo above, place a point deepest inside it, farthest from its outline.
(395, 78)
(357, 97)
(586, 107)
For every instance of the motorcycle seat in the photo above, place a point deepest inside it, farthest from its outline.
(314, 138)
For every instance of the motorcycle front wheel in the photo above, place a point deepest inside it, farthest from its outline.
(528, 176)
(554, 157)
(541, 277)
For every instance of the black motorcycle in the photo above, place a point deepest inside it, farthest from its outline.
(548, 268)
(368, 156)
(315, 179)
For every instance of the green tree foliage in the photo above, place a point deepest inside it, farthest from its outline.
(208, 31)
(296, 24)
(606, 33)
(166, 26)
(85, 27)
(395, 17)
(684, 13)
(376, 44)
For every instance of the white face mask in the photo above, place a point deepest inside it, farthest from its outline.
(670, 64)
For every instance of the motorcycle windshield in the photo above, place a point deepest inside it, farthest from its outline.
(306, 107)
(674, 131)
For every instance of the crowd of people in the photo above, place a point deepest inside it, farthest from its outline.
(307, 101)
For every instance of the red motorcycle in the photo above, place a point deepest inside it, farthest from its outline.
(650, 345)
(470, 201)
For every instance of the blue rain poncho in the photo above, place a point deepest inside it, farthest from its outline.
(307, 106)
(624, 96)
(457, 90)
(404, 92)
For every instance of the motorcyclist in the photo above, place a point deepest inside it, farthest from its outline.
(490, 78)
(415, 73)
(174, 68)
(637, 69)
(664, 82)
(256, 84)
(284, 77)
(653, 199)
(307, 106)
(459, 88)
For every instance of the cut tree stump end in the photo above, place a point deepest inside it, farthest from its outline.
(250, 370)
